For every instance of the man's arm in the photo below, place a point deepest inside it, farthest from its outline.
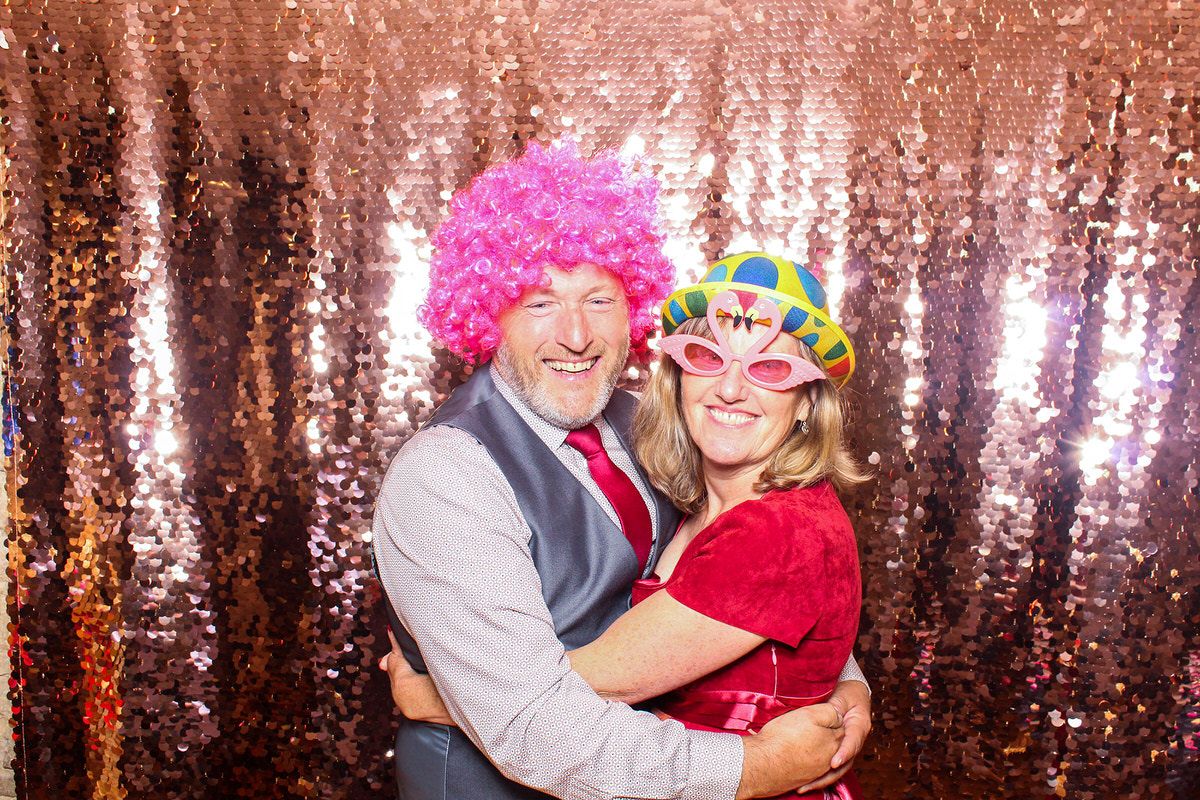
(453, 556)
(772, 763)
(418, 699)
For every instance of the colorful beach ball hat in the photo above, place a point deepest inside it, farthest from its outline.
(797, 292)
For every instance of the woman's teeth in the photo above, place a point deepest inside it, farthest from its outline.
(730, 417)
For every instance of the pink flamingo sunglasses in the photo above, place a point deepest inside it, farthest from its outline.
(775, 371)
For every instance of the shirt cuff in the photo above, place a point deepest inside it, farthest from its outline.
(716, 766)
(852, 672)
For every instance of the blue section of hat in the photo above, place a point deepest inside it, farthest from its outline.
(717, 273)
(757, 271)
(812, 287)
(795, 319)
(676, 311)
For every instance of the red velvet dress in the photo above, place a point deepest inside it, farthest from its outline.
(784, 566)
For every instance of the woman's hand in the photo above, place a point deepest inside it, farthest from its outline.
(414, 694)
(852, 700)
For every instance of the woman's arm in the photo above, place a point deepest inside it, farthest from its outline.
(656, 646)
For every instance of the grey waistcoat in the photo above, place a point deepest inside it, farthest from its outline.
(585, 563)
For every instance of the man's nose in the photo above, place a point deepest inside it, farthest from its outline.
(574, 329)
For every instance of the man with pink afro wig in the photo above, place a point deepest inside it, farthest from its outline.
(548, 208)
(512, 526)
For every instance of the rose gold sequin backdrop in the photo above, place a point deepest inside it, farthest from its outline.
(215, 229)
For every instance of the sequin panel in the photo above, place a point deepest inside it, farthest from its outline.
(215, 224)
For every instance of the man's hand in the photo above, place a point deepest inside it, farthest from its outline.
(853, 702)
(414, 693)
(791, 750)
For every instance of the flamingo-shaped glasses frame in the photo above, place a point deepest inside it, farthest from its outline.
(775, 371)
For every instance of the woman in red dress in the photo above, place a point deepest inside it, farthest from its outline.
(754, 605)
(753, 608)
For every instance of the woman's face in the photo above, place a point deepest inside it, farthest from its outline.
(738, 426)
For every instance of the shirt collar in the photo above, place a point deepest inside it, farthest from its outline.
(547, 431)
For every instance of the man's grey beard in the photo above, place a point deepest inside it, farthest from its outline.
(530, 389)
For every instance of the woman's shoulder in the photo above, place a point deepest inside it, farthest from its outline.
(820, 497)
(800, 515)
(794, 534)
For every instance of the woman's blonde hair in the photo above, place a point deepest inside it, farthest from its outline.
(671, 459)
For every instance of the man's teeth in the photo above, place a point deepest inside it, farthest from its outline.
(730, 417)
(571, 366)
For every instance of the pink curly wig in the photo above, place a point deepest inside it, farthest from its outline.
(550, 207)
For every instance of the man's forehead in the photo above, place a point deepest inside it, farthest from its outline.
(582, 278)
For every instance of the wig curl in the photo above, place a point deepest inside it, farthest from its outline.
(548, 208)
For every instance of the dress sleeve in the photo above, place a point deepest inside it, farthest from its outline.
(758, 567)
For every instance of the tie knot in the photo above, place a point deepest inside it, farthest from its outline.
(586, 440)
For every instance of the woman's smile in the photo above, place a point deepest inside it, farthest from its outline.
(731, 417)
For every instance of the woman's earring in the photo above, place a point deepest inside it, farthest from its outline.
(802, 424)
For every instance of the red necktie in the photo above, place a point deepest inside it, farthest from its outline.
(620, 491)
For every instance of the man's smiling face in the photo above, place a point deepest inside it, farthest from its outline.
(564, 345)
